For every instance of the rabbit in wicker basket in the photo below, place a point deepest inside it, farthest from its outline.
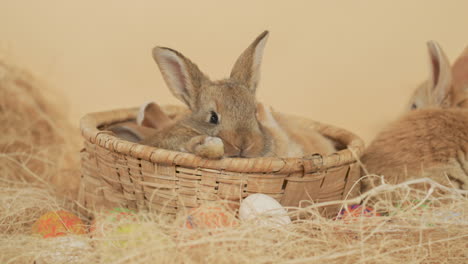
(432, 139)
(225, 120)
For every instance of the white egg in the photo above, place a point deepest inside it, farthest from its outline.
(264, 210)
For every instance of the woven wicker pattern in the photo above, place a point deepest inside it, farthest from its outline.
(121, 173)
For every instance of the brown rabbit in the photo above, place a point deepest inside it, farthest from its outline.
(222, 121)
(424, 143)
(287, 139)
(447, 86)
(431, 141)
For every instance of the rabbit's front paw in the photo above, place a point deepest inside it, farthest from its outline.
(207, 147)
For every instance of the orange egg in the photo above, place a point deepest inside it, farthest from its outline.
(58, 223)
(209, 217)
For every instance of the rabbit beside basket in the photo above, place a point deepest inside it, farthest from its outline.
(431, 140)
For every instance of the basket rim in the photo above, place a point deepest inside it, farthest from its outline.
(308, 164)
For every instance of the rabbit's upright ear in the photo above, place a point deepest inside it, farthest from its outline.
(440, 79)
(246, 70)
(460, 78)
(182, 76)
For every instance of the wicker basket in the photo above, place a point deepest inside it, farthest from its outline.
(116, 172)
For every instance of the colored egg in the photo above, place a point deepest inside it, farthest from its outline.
(211, 217)
(58, 223)
(263, 210)
(109, 220)
(132, 235)
(357, 210)
(121, 228)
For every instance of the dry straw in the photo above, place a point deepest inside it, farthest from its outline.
(417, 226)
(437, 233)
(36, 137)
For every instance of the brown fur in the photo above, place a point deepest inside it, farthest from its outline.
(460, 80)
(427, 142)
(131, 131)
(290, 137)
(151, 115)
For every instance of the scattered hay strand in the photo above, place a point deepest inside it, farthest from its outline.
(405, 233)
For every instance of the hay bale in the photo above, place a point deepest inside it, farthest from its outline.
(37, 144)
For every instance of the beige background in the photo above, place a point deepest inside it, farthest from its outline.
(348, 63)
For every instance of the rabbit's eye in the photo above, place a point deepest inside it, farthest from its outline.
(414, 106)
(214, 118)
